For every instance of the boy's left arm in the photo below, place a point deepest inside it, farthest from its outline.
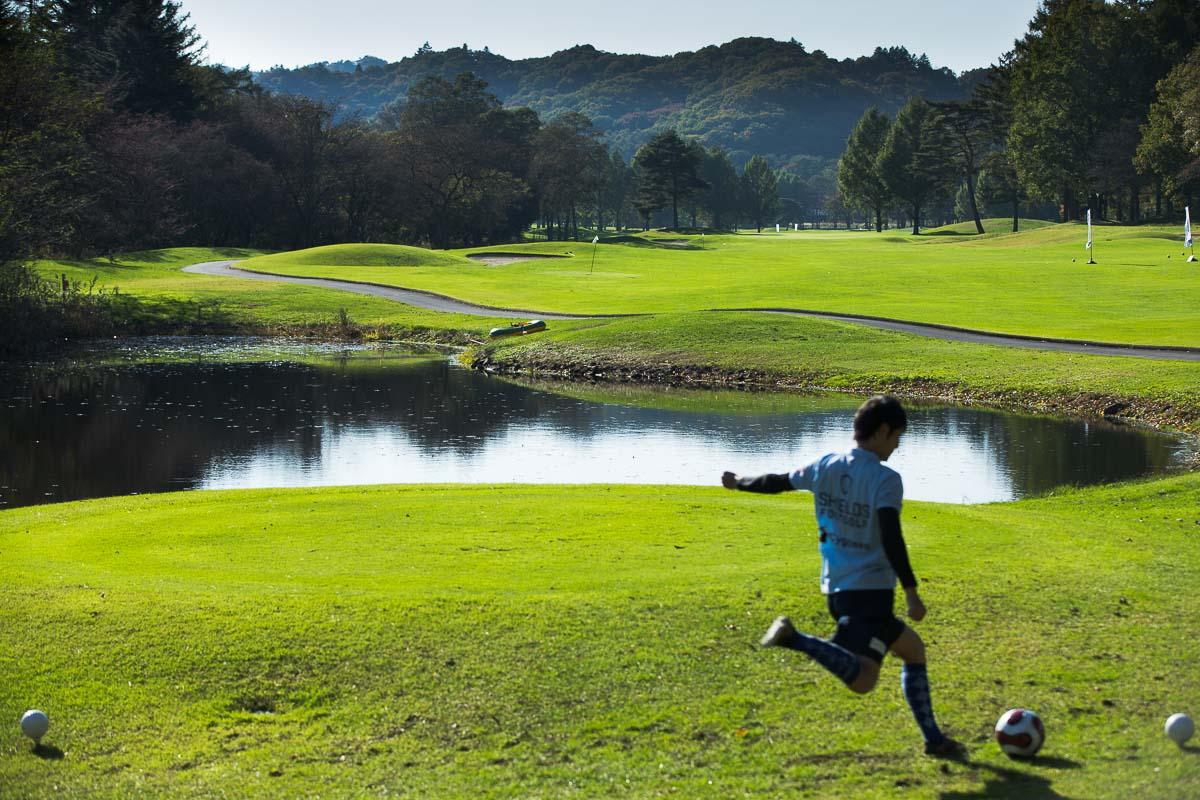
(897, 556)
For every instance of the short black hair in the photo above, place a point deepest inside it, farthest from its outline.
(882, 409)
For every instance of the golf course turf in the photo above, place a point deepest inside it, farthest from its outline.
(599, 641)
(593, 641)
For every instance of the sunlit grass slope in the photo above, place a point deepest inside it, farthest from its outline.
(1035, 282)
(992, 226)
(358, 255)
(589, 641)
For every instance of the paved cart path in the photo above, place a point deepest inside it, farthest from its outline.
(438, 302)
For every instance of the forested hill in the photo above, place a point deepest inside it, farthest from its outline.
(749, 96)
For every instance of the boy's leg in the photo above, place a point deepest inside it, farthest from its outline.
(857, 672)
(914, 682)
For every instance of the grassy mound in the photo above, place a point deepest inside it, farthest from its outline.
(597, 641)
(991, 225)
(356, 255)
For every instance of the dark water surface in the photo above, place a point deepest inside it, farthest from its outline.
(255, 413)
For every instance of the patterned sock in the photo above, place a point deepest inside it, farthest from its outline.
(914, 682)
(835, 658)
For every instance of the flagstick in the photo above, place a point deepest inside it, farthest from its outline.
(1090, 244)
(1187, 234)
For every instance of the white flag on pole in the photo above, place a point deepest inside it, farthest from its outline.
(1187, 226)
(1088, 246)
(595, 238)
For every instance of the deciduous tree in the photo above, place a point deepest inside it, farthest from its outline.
(964, 127)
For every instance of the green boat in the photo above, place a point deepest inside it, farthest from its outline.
(518, 329)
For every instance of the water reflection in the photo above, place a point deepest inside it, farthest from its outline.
(310, 420)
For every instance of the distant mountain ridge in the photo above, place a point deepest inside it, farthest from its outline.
(748, 96)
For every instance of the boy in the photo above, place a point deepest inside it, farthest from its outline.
(857, 502)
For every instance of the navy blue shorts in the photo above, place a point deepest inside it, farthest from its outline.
(866, 622)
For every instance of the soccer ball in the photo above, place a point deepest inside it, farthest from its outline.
(1180, 727)
(1020, 733)
(34, 724)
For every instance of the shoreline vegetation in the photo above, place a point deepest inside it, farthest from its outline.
(549, 364)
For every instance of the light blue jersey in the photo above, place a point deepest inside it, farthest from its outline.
(848, 489)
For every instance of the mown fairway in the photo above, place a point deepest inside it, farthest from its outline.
(1024, 283)
(577, 642)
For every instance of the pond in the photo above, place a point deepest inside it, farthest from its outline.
(176, 414)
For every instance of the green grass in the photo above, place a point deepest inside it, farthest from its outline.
(992, 226)
(814, 353)
(359, 255)
(156, 278)
(516, 641)
(1032, 283)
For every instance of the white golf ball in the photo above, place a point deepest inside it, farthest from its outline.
(1180, 727)
(34, 724)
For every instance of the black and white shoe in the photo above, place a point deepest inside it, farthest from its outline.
(779, 634)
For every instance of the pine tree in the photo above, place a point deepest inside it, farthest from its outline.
(759, 192)
(669, 170)
(859, 176)
(912, 163)
(142, 52)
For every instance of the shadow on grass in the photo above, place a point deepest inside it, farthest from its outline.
(143, 257)
(636, 241)
(238, 252)
(169, 315)
(1014, 783)
(47, 752)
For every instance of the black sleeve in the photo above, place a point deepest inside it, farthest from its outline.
(893, 546)
(766, 484)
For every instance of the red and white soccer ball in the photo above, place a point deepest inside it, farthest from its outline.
(1020, 733)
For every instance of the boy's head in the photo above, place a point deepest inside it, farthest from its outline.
(878, 425)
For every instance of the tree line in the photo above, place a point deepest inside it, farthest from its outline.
(114, 136)
(1097, 107)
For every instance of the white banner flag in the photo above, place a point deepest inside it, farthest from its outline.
(1088, 246)
(1187, 226)
(595, 238)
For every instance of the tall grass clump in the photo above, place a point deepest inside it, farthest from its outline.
(37, 314)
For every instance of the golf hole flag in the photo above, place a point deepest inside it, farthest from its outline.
(1088, 246)
(1187, 226)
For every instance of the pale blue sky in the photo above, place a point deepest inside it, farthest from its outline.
(960, 34)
